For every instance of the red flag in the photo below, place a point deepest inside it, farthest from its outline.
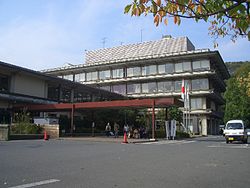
(183, 89)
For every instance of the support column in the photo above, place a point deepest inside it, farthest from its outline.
(153, 119)
(72, 119)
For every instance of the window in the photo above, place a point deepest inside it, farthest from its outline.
(103, 75)
(68, 77)
(133, 88)
(66, 95)
(200, 84)
(187, 66)
(166, 68)
(53, 92)
(149, 87)
(92, 76)
(80, 77)
(162, 69)
(121, 89)
(197, 103)
(178, 67)
(4, 83)
(177, 86)
(117, 73)
(201, 65)
(170, 68)
(107, 88)
(183, 66)
(149, 70)
(133, 71)
(165, 86)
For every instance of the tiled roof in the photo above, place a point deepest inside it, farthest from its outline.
(151, 48)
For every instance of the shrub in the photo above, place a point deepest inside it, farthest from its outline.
(180, 134)
(26, 128)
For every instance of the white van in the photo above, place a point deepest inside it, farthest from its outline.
(235, 131)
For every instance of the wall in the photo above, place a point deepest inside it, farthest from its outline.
(4, 132)
(28, 85)
(52, 130)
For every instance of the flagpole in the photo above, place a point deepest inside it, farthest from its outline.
(184, 103)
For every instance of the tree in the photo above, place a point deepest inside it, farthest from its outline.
(237, 95)
(227, 18)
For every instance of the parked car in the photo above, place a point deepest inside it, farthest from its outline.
(235, 131)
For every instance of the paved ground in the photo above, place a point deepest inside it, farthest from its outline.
(105, 162)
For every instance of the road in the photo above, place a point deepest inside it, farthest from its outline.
(201, 162)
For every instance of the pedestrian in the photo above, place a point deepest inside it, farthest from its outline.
(93, 128)
(116, 129)
(126, 129)
(108, 129)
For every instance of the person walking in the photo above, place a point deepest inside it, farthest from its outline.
(108, 129)
(116, 129)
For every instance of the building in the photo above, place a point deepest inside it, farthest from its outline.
(156, 69)
(21, 86)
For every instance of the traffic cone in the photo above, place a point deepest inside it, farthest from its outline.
(125, 141)
(46, 136)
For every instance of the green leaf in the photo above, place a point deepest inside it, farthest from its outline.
(127, 8)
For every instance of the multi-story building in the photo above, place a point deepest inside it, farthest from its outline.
(156, 69)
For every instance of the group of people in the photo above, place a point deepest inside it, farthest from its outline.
(109, 132)
(130, 131)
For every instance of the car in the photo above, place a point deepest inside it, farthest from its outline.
(235, 131)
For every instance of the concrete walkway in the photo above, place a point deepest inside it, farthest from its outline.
(107, 139)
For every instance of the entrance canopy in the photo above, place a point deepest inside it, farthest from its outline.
(136, 103)
(133, 103)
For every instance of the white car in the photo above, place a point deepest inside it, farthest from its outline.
(235, 131)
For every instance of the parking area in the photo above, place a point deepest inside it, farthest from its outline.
(205, 162)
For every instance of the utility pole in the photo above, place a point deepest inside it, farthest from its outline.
(104, 42)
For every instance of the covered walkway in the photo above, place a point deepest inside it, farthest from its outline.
(116, 104)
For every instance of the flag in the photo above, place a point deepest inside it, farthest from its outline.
(183, 89)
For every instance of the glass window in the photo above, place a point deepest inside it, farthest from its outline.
(133, 88)
(68, 77)
(121, 89)
(4, 83)
(178, 67)
(117, 73)
(201, 65)
(53, 92)
(92, 76)
(187, 66)
(133, 71)
(169, 68)
(66, 95)
(149, 70)
(196, 103)
(183, 66)
(177, 86)
(107, 88)
(200, 84)
(165, 86)
(103, 75)
(162, 69)
(80, 77)
(149, 87)
(205, 64)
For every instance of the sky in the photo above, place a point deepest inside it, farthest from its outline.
(44, 34)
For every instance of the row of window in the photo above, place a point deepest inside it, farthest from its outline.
(167, 68)
(53, 93)
(157, 87)
(4, 83)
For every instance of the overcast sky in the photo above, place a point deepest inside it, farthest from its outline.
(42, 34)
